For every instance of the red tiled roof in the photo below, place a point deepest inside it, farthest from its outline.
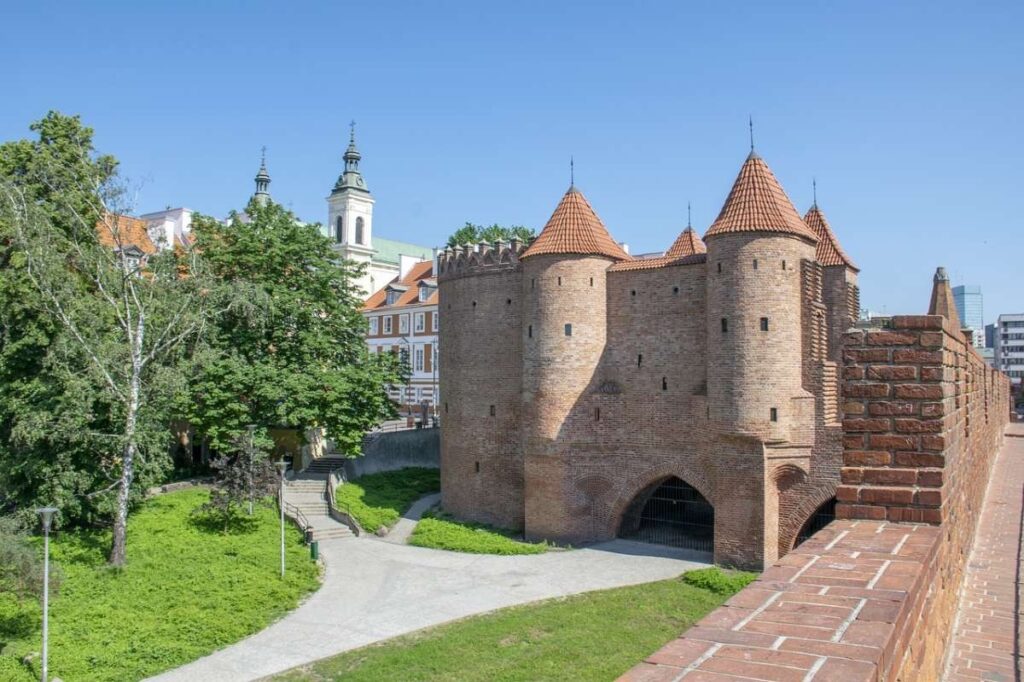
(121, 231)
(757, 203)
(411, 296)
(829, 252)
(686, 244)
(575, 228)
(658, 262)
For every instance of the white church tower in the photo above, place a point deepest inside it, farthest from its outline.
(350, 216)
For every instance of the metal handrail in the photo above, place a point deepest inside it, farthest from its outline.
(297, 516)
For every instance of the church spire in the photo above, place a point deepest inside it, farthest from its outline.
(351, 178)
(262, 195)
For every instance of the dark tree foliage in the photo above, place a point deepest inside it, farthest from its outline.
(473, 234)
(243, 479)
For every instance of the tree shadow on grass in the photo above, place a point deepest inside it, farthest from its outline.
(214, 523)
(17, 624)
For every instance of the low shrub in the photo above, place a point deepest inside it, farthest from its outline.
(719, 581)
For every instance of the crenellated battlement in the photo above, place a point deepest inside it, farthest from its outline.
(476, 259)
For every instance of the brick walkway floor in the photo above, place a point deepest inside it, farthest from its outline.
(987, 641)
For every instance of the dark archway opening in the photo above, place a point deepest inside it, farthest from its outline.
(823, 515)
(673, 513)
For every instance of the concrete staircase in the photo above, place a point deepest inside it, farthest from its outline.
(307, 493)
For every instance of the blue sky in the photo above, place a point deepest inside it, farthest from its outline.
(909, 114)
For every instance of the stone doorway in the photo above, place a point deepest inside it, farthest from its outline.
(671, 512)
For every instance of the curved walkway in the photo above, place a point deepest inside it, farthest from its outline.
(374, 590)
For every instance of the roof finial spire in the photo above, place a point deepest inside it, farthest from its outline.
(689, 217)
(572, 171)
(262, 195)
(751, 122)
(263, 155)
(814, 185)
(352, 131)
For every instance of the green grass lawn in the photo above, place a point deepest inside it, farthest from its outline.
(438, 532)
(185, 592)
(377, 500)
(594, 636)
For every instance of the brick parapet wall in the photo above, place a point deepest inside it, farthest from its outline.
(922, 416)
(872, 596)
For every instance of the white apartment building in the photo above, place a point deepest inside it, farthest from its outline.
(1009, 346)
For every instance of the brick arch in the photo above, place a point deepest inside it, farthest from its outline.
(788, 530)
(689, 474)
(788, 475)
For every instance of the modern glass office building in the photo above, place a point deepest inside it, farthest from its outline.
(969, 308)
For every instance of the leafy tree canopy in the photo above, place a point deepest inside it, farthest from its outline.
(295, 354)
(473, 234)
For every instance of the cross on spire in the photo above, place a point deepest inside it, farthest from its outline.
(689, 217)
(572, 171)
(814, 185)
(352, 131)
(751, 122)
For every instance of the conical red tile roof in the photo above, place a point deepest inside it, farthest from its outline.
(829, 252)
(688, 243)
(757, 203)
(575, 228)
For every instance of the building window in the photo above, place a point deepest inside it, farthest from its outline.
(493, 411)
(403, 324)
(559, 281)
(764, 324)
(359, 230)
(508, 301)
(424, 293)
(433, 321)
(725, 325)
(597, 414)
(632, 292)
(719, 266)
(773, 414)
(387, 324)
(568, 330)
(529, 332)
(374, 325)
(339, 230)
(478, 467)
(591, 281)
(393, 296)
(639, 359)
(783, 265)
(418, 355)
(755, 264)
(664, 383)
(675, 291)
(420, 322)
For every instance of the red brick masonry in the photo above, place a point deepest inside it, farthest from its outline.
(873, 597)
(984, 646)
(836, 608)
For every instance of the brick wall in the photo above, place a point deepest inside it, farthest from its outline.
(873, 595)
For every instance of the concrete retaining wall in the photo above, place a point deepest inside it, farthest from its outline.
(396, 450)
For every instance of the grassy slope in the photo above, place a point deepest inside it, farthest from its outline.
(377, 500)
(594, 636)
(442, 533)
(185, 592)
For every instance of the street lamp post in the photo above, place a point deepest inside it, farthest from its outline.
(281, 465)
(46, 515)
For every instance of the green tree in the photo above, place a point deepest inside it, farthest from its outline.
(109, 329)
(472, 234)
(243, 478)
(295, 354)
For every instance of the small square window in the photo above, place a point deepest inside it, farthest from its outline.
(725, 325)
(764, 324)
(568, 330)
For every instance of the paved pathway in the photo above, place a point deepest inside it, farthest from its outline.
(374, 590)
(987, 640)
(401, 531)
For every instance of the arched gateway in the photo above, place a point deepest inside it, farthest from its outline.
(670, 512)
(822, 516)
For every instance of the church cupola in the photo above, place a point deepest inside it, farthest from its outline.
(262, 195)
(351, 178)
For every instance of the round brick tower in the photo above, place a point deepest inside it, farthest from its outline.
(564, 333)
(755, 326)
